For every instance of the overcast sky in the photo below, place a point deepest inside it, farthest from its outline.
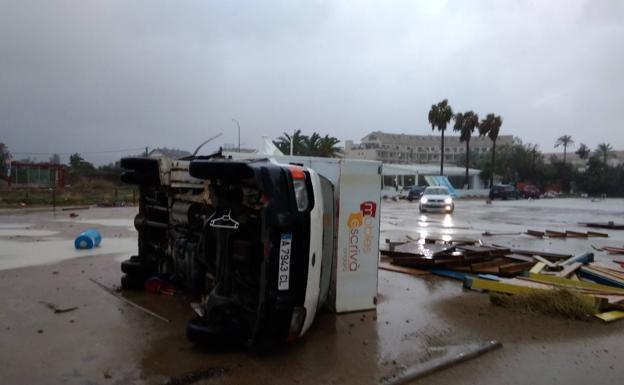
(88, 76)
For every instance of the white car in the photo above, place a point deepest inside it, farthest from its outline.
(437, 198)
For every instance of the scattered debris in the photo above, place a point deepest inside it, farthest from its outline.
(384, 265)
(573, 286)
(558, 302)
(159, 286)
(612, 250)
(56, 309)
(611, 316)
(604, 225)
(453, 355)
(197, 375)
(88, 239)
(73, 215)
(464, 256)
(75, 208)
(113, 293)
(564, 234)
(491, 234)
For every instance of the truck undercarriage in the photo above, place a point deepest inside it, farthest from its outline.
(244, 238)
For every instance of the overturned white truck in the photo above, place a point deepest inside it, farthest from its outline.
(263, 244)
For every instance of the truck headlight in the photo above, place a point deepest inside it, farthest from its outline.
(301, 194)
(299, 184)
(448, 201)
(423, 200)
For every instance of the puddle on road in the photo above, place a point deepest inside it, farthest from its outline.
(14, 254)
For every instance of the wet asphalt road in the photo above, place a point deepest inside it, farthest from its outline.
(105, 341)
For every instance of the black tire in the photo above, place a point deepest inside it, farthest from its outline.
(134, 267)
(130, 282)
(203, 332)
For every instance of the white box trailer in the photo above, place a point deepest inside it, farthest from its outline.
(357, 185)
(262, 243)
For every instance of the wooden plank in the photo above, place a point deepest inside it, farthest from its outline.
(499, 287)
(535, 233)
(610, 316)
(514, 287)
(519, 257)
(596, 234)
(575, 234)
(541, 253)
(600, 277)
(450, 274)
(514, 268)
(605, 225)
(485, 270)
(613, 250)
(565, 282)
(546, 262)
(582, 258)
(402, 269)
(569, 269)
(555, 234)
(615, 273)
(538, 267)
(492, 263)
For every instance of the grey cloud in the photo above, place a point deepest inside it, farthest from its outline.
(99, 75)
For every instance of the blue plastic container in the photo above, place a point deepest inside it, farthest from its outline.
(88, 239)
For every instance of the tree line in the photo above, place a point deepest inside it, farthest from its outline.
(520, 162)
(304, 145)
(441, 114)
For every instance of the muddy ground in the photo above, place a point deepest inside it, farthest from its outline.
(105, 341)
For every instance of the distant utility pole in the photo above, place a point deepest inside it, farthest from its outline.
(292, 139)
(146, 151)
(236, 121)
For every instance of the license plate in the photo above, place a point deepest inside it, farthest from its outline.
(284, 262)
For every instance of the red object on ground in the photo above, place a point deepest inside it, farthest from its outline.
(158, 286)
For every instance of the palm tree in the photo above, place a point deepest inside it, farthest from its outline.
(297, 139)
(583, 151)
(565, 141)
(465, 124)
(439, 116)
(327, 146)
(490, 126)
(604, 151)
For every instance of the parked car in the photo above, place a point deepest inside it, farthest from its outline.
(531, 191)
(415, 193)
(437, 198)
(504, 191)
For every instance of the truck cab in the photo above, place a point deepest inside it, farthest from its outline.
(252, 240)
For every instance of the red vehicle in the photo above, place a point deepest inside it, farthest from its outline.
(531, 191)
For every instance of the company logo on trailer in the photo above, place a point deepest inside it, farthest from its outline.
(360, 224)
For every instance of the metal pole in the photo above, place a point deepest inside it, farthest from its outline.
(236, 121)
(292, 139)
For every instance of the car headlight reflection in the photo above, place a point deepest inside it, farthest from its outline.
(448, 201)
(423, 200)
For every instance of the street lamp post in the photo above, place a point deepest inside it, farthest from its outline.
(236, 121)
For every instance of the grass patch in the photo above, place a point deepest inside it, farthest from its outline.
(557, 302)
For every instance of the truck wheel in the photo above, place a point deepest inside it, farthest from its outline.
(130, 282)
(134, 266)
(202, 332)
